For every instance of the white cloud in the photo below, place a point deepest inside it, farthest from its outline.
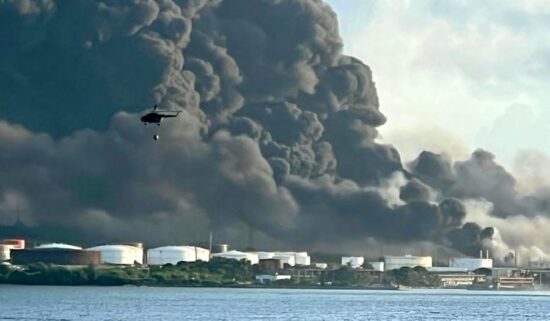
(455, 65)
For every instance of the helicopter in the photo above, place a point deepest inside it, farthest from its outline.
(156, 116)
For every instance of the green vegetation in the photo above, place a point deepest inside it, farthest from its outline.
(415, 277)
(347, 276)
(217, 272)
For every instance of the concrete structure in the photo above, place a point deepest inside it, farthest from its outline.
(269, 278)
(236, 255)
(354, 262)
(58, 256)
(397, 262)
(470, 264)
(174, 254)
(119, 254)
(377, 266)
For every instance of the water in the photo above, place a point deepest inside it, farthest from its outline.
(131, 303)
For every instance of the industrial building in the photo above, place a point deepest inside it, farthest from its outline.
(236, 255)
(470, 264)
(52, 255)
(10, 244)
(119, 254)
(270, 278)
(354, 262)
(397, 262)
(174, 254)
(18, 244)
(290, 258)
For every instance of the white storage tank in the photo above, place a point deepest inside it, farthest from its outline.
(264, 255)
(470, 263)
(286, 258)
(377, 266)
(59, 246)
(354, 262)
(302, 258)
(174, 254)
(236, 255)
(397, 262)
(119, 254)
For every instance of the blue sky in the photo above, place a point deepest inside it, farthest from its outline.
(453, 76)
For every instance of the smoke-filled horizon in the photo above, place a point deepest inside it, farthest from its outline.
(278, 134)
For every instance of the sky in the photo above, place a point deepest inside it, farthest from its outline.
(453, 76)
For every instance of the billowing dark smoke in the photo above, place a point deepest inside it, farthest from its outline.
(278, 132)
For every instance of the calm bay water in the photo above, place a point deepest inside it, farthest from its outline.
(132, 304)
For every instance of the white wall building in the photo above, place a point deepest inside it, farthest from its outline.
(354, 262)
(397, 262)
(119, 254)
(268, 278)
(174, 254)
(470, 263)
(236, 255)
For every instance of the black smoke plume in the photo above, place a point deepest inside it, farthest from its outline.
(278, 133)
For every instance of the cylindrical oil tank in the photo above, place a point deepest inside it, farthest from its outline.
(135, 244)
(236, 255)
(270, 266)
(174, 254)
(58, 246)
(220, 248)
(265, 255)
(57, 256)
(354, 262)
(119, 254)
(302, 258)
(16, 243)
(397, 262)
(286, 258)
